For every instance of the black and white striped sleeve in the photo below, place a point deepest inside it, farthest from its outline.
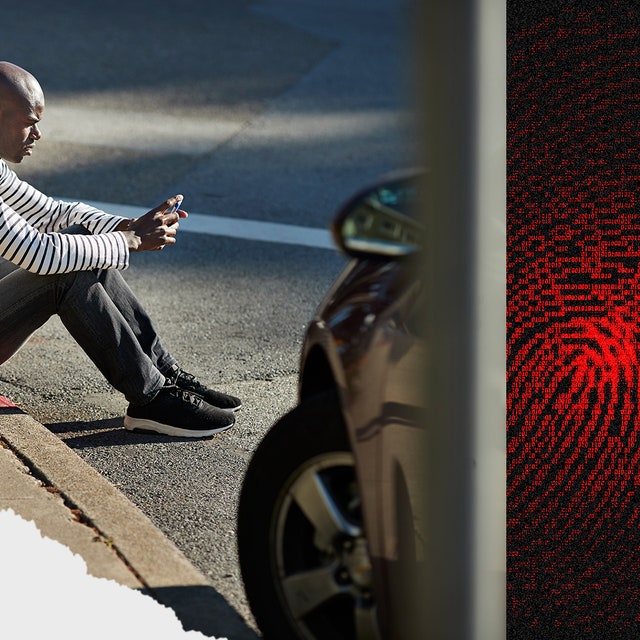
(29, 222)
(48, 253)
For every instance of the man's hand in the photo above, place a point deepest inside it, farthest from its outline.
(155, 229)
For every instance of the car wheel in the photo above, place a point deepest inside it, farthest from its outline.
(302, 547)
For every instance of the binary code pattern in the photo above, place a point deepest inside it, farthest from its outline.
(573, 325)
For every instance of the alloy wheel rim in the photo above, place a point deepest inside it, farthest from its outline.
(322, 558)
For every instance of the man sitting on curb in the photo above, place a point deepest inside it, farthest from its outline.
(65, 259)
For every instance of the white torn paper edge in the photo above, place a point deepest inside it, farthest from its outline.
(46, 592)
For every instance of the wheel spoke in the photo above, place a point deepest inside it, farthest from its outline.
(366, 623)
(307, 590)
(317, 503)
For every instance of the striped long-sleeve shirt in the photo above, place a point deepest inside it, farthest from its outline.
(29, 222)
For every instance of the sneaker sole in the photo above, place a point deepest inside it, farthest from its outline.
(227, 409)
(142, 424)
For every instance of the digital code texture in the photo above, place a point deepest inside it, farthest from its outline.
(573, 319)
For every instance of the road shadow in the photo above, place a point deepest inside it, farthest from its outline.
(11, 411)
(203, 609)
(109, 432)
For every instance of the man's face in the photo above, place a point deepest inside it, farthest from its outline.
(19, 130)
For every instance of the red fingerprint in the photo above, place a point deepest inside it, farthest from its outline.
(574, 471)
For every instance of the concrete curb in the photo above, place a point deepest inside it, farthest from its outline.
(149, 554)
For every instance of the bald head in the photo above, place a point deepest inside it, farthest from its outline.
(21, 109)
(16, 84)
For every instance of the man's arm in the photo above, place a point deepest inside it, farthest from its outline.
(49, 253)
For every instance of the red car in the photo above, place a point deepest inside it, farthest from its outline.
(329, 522)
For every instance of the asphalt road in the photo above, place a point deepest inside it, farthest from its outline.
(268, 111)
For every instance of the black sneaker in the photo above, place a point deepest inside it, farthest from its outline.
(176, 412)
(190, 383)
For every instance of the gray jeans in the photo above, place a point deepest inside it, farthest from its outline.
(101, 313)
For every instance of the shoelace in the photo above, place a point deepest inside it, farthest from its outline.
(188, 379)
(183, 394)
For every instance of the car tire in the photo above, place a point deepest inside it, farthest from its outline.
(302, 549)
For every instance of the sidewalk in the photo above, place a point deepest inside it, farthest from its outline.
(44, 481)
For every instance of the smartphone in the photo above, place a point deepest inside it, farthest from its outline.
(175, 207)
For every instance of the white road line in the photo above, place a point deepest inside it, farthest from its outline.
(236, 227)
